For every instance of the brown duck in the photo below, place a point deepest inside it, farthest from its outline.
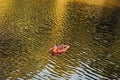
(61, 49)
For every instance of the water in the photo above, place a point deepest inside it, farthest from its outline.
(29, 28)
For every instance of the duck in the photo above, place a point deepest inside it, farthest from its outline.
(56, 50)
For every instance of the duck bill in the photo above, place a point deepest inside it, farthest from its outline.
(67, 46)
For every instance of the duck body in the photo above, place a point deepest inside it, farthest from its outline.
(56, 50)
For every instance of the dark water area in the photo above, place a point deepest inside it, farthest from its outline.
(28, 29)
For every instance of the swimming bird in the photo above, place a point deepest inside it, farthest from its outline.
(56, 50)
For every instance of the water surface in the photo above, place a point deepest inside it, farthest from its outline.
(29, 28)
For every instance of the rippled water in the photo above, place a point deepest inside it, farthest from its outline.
(28, 28)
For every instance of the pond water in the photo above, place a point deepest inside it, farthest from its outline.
(28, 29)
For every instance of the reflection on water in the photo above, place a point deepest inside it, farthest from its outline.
(30, 28)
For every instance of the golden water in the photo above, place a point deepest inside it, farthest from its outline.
(28, 28)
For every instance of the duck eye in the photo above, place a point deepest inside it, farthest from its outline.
(64, 47)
